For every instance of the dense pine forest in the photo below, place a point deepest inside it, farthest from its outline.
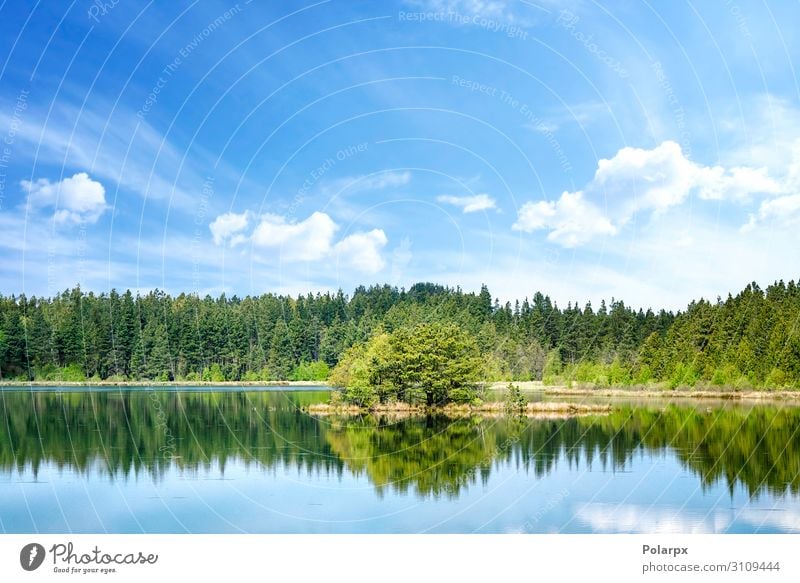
(750, 340)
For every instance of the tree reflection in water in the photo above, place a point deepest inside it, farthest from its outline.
(127, 433)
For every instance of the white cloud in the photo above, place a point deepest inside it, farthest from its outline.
(664, 177)
(572, 220)
(784, 210)
(312, 239)
(362, 251)
(77, 199)
(645, 179)
(738, 184)
(308, 240)
(469, 204)
(638, 180)
(228, 228)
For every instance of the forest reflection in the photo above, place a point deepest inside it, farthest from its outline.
(128, 433)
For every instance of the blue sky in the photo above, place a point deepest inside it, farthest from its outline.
(643, 151)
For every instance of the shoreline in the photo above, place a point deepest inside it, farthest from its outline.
(134, 384)
(538, 409)
(646, 391)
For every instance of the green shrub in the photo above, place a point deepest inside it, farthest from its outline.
(645, 375)
(48, 372)
(775, 379)
(72, 373)
(361, 395)
(514, 400)
(213, 374)
(462, 395)
(550, 380)
(619, 374)
(256, 375)
(310, 371)
(683, 376)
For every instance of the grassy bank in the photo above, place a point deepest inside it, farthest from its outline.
(660, 390)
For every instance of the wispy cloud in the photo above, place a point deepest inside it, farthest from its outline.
(117, 147)
(469, 204)
(365, 183)
(579, 114)
(345, 196)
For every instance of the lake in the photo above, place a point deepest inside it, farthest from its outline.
(218, 461)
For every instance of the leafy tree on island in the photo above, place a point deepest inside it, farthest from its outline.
(433, 363)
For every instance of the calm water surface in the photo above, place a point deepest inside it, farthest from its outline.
(252, 461)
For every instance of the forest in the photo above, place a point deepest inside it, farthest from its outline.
(751, 340)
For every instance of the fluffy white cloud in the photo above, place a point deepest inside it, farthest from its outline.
(362, 251)
(737, 184)
(77, 199)
(645, 179)
(308, 240)
(638, 180)
(312, 239)
(572, 220)
(229, 228)
(469, 204)
(664, 177)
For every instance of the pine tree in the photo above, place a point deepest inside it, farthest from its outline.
(281, 359)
